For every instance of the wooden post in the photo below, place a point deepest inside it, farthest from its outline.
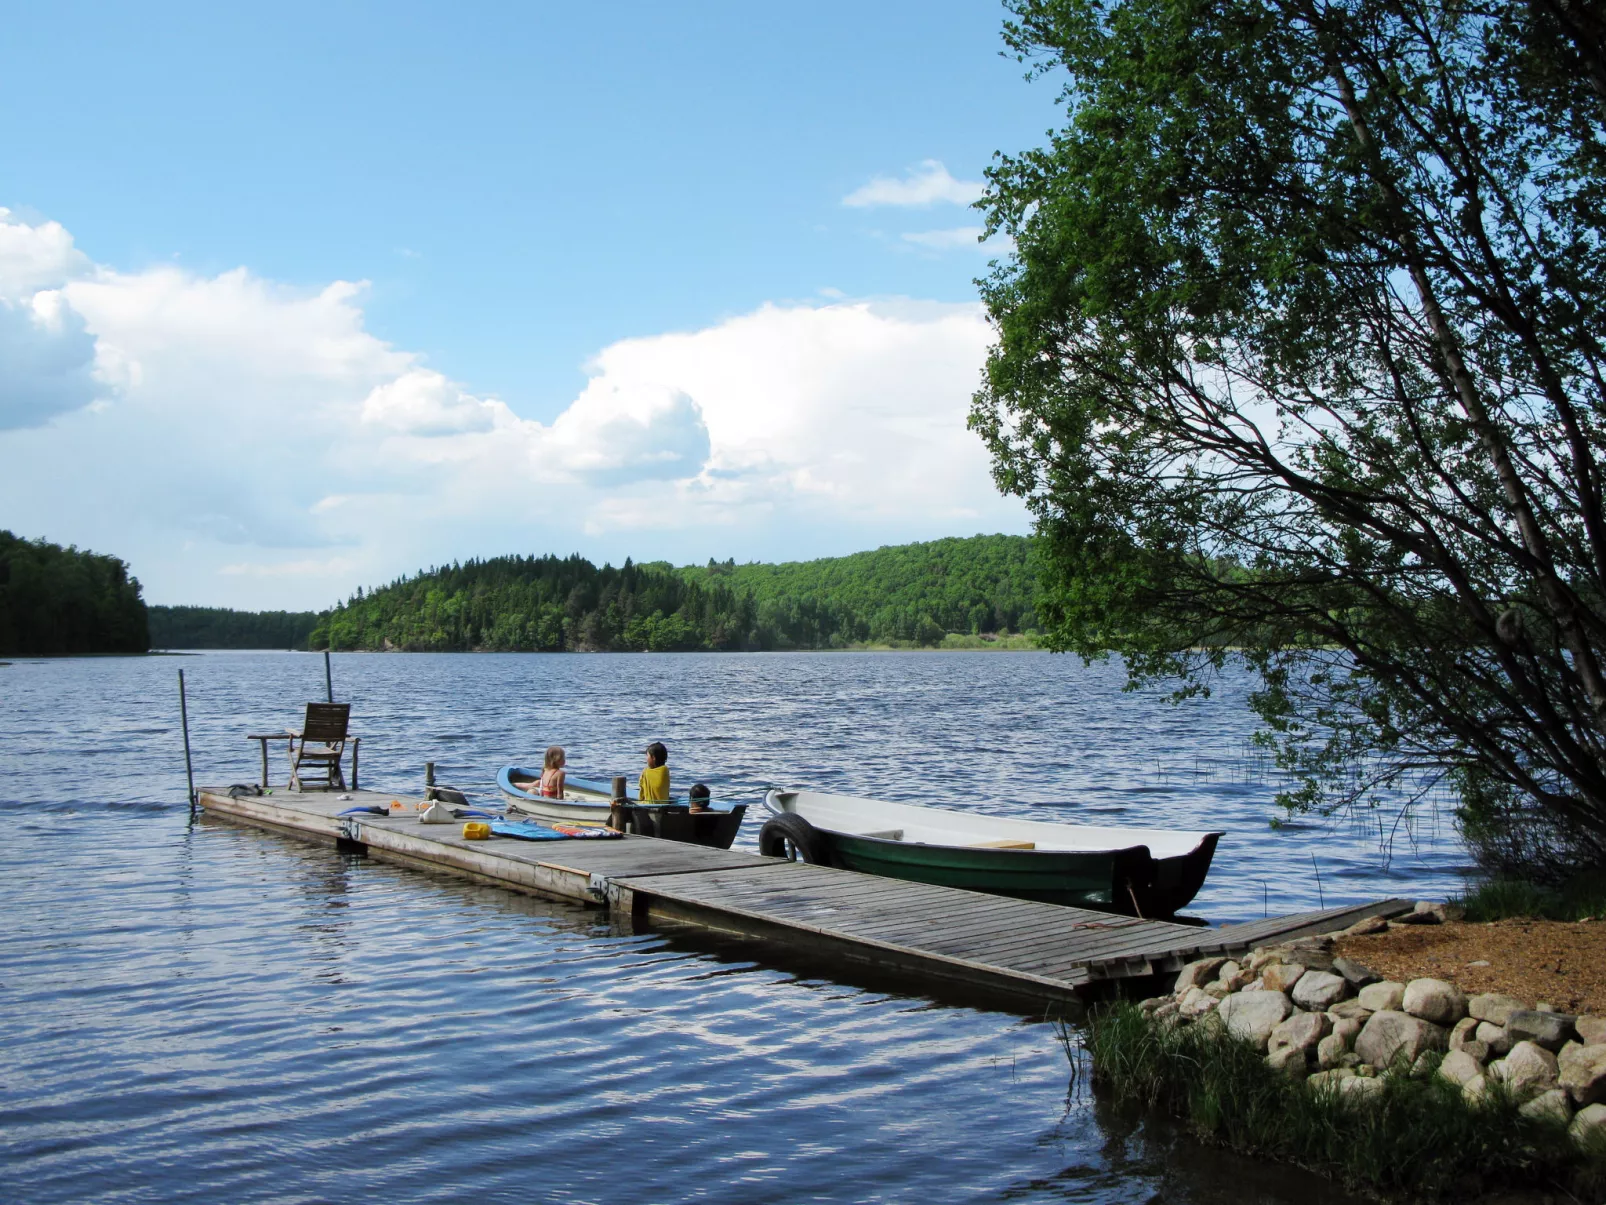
(356, 743)
(429, 781)
(184, 719)
(264, 743)
(616, 808)
(329, 681)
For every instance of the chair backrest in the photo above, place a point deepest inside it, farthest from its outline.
(326, 722)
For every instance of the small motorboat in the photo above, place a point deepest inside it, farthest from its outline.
(1151, 873)
(590, 801)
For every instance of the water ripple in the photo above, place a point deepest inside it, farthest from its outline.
(202, 1012)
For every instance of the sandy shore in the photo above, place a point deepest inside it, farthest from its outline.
(1554, 962)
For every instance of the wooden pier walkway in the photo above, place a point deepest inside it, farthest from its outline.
(1017, 948)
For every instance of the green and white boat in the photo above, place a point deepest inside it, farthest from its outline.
(1134, 871)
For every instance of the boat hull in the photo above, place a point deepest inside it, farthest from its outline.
(1081, 880)
(1112, 877)
(580, 805)
(587, 801)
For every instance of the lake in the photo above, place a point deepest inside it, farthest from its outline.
(198, 1011)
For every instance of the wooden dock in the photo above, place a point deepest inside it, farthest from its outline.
(1006, 947)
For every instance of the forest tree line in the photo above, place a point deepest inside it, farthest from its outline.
(912, 594)
(56, 600)
(222, 628)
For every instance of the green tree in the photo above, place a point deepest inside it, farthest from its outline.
(56, 600)
(1300, 351)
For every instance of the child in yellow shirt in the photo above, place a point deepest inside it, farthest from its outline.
(653, 786)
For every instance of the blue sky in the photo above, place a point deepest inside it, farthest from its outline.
(683, 267)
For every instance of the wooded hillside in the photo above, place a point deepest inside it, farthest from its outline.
(221, 628)
(56, 600)
(912, 593)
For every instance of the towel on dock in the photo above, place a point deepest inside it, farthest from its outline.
(529, 830)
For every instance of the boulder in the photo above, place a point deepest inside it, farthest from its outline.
(1330, 1052)
(1290, 1061)
(1466, 1030)
(1281, 976)
(1312, 953)
(1550, 1105)
(1435, 1000)
(1253, 1015)
(1217, 989)
(1346, 1009)
(1299, 1032)
(1458, 1067)
(1390, 1036)
(1196, 974)
(1478, 1050)
(1476, 1089)
(1493, 1007)
(1361, 1090)
(1320, 990)
(1348, 1028)
(1359, 976)
(1167, 1012)
(1196, 1003)
(1527, 1070)
(1591, 1030)
(1589, 1127)
(1153, 1003)
(1494, 1037)
(1386, 996)
(1366, 926)
(1419, 916)
(1232, 976)
(1329, 1080)
(1582, 1071)
(1259, 959)
(1550, 1030)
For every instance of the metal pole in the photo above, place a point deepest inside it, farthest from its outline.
(184, 718)
(328, 678)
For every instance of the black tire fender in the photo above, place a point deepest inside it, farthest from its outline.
(788, 835)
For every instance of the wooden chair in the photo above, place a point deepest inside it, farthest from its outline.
(320, 745)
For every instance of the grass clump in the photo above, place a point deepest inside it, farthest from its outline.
(1504, 899)
(1417, 1138)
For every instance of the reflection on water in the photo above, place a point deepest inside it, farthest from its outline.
(205, 1012)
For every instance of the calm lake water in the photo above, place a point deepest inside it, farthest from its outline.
(196, 1011)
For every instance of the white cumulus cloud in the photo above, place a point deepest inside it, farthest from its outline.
(244, 443)
(928, 184)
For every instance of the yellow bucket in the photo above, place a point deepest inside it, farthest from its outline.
(476, 830)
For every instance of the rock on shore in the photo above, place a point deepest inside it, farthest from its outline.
(1340, 1026)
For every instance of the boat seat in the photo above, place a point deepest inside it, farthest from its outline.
(1002, 845)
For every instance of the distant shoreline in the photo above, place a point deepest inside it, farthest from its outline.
(969, 644)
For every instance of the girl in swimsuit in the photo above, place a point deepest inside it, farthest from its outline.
(552, 773)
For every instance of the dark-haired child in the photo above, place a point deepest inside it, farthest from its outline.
(653, 785)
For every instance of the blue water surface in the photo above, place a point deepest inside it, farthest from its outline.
(201, 1012)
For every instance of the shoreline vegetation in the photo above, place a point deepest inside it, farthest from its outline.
(1406, 1087)
(57, 601)
(960, 593)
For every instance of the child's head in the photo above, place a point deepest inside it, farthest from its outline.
(657, 755)
(554, 758)
(698, 797)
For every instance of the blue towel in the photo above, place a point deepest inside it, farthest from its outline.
(529, 830)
